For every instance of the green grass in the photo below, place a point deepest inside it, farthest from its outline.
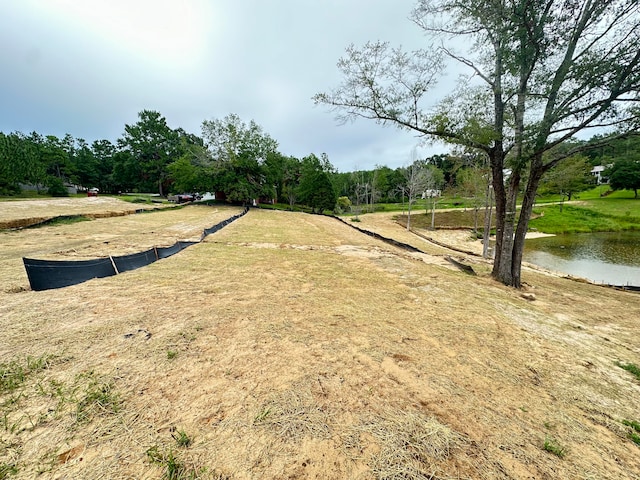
(551, 219)
(7, 469)
(81, 399)
(99, 397)
(618, 207)
(63, 220)
(171, 354)
(181, 438)
(552, 446)
(633, 424)
(13, 374)
(32, 194)
(173, 467)
(631, 368)
(635, 430)
(612, 213)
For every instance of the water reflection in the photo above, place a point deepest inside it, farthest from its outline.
(611, 257)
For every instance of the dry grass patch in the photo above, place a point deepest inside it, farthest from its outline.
(103, 237)
(22, 213)
(304, 349)
(404, 445)
(293, 415)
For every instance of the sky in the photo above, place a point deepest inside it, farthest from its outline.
(87, 67)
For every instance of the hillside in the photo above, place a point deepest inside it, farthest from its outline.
(292, 346)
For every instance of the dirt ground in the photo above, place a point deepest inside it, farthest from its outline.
(17, 214)
(292, 346)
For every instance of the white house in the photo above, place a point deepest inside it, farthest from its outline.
(430, 193)
(597, 172)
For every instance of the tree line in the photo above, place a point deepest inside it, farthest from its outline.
(231, 156)
(243, 161)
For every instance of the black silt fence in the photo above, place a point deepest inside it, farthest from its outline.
(126, 263)
(49, 274)
(46, 274)
(390, 241)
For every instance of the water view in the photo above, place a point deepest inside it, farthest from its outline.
(611, 257)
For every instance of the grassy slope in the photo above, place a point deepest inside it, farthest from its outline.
(591, 213)
(291, 346)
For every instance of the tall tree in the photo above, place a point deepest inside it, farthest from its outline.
(152, 145)
(291, 180)
(230, 138)
(316, 189)
(103, 153)
(85, 165)
(11, 170)
(239, 152)
(542, 71)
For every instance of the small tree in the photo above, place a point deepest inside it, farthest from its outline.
(624, 175)
(434, 181)
(472, 184)
(568, 178)
(343, 204)
(416, 182)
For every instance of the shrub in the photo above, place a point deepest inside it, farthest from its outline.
(56, 188)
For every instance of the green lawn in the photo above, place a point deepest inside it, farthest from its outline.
(594, 213)
(590, 212)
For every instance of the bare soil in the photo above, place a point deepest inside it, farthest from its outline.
(292, 346)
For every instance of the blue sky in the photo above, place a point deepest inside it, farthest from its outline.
(88, 67)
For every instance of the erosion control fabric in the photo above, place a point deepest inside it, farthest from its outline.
(48, 274)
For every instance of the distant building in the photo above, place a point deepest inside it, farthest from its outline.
(597, 172)
(431, 193)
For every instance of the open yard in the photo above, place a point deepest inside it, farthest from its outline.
(292, 346)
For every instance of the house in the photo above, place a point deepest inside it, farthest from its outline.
(431, 193)
(597, 173)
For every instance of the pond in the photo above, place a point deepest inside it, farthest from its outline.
(610, 257)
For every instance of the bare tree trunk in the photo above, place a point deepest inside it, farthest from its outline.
(508, 230)
(523, 225)
(475, 220)
(433, 213)
(486, 236)
(501, 206)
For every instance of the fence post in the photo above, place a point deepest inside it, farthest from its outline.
(114, 265)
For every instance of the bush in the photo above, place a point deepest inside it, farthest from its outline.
(56, 188)
(8, 189)
(343, 204)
